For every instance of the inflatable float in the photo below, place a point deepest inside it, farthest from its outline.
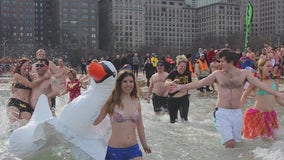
(73, 126)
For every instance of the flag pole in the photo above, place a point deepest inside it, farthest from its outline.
(249, 16)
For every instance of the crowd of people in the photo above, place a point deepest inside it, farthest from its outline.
(32, 80)
(222, 71)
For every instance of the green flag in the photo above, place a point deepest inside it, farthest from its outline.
(249, 15)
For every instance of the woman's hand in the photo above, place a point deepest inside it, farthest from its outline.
(147, 149)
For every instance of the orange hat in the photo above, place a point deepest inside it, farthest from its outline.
(99, 71)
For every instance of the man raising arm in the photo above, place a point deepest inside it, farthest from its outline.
(230, 83)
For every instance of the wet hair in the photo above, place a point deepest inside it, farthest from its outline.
(115, 98)
(20, 64)
(229, 55)
(261, 63)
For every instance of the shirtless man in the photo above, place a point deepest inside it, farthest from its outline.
(40, 54)
(251, 54)
(46, 87)
(60, 76)
(157, 87)
(230, 83)
(52, 68)
(277, 65)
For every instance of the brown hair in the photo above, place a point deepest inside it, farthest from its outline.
(20, 64)
(261, 63)
(229, 55)
(115, 98)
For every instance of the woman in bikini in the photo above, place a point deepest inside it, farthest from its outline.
(18, 107)
(260, 121)
(124, 109)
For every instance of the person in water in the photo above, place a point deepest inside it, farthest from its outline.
(179, 101)
(74, 85)
(47, 87)
(19, 107)
(230, 83)
(158, 90)
(124, 109)
(260, 121)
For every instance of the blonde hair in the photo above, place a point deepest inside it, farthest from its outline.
(40, 50)
(73, 72)
(261, 63)
(181, 58)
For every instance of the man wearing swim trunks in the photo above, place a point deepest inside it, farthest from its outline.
(230, 82)
(157, 89)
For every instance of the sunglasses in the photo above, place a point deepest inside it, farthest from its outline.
(160, 65)
(40, 65)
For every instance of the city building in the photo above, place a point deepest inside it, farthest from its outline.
(86, 26)
(78, 25)
(268, 20)
(46, 31)
(170, 25)
(17, 26)
(218, 20)
(121, 25)
(165, 25)
(58, 24)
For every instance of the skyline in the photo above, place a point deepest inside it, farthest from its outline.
(162, 26)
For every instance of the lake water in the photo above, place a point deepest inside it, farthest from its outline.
(196, 139)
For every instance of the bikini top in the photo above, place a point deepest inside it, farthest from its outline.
(21, 86)
(263, 93)
(119, 116)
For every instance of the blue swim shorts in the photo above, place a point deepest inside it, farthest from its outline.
(123, 153)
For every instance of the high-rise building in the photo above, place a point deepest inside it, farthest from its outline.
(268, 20)
(169, 24)
(121, 24)
(67, 24)
(46, 32)
(218, 20)
(17, 25)
(164, 24)
(78, 24)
